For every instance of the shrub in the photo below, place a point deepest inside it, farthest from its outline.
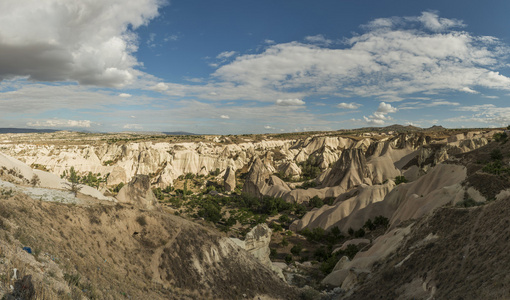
(284, 219)
(350, 231)
(359, 233)
(500, 137)
(400, 179)
(496, 154)
(118, 187)
(468, 203)
(35, 181)
(288, 258)
(308, 184)
(316, 202)
(296, 249)
(381, 221)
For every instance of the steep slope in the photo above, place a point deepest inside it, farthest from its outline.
(112, 251)
(456, 253)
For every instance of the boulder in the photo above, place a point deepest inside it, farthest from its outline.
(138, 192)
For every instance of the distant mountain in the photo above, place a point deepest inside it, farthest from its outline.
(394, 127)
(26, 130)
(179, 133)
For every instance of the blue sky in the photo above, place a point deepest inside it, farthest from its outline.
(232, 67)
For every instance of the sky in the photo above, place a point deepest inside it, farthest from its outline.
(243, 66)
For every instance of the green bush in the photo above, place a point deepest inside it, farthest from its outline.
(316, 202)
(468, 203)
(500, 137)
(359, 233)
(496, 154)
(400, 179)
(308, 184)
(118, 187)
(288, 258)
(296, 249)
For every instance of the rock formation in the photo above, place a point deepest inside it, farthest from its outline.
(229, 180)
(138, 193)
(257, 242)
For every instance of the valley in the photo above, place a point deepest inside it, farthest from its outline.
(315, 215)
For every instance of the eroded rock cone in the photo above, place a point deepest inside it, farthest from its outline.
(256, 179)
(349, 171)
(229, 180)
(138, 192)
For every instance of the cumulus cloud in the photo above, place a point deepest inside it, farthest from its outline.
(125, 95)
(225, 117)
(381, 115)
(290, 102)
(351, 105)
(54, 123)
(386, 108)
(89, 42)
(393, 59)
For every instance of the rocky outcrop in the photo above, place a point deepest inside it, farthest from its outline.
(257, 243)
(349, 171)
(138, 192)
(259, 182)
(229, 180)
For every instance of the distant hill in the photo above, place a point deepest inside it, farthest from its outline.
(26, 130)
(179, 133)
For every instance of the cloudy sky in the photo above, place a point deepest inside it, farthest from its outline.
(231, 67)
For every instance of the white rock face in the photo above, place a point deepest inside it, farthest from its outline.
(257, 242)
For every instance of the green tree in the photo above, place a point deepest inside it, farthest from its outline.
(73, 184)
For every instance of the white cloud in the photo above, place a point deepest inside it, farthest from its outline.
(267, 41)
(133, 126)
(225, 117)
(125, 95)
(386, 108)
(226, 54)
(290, 102)
(351, 105)
(431, 21)
(388, 63)
(85, 41)
(318, 39)
(172, 37)
(160, 87)
(380, 116)
(268, 127)
(477, 108)
(54, 123)
(468, 90)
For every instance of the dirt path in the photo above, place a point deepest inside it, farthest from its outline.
(156, 258)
